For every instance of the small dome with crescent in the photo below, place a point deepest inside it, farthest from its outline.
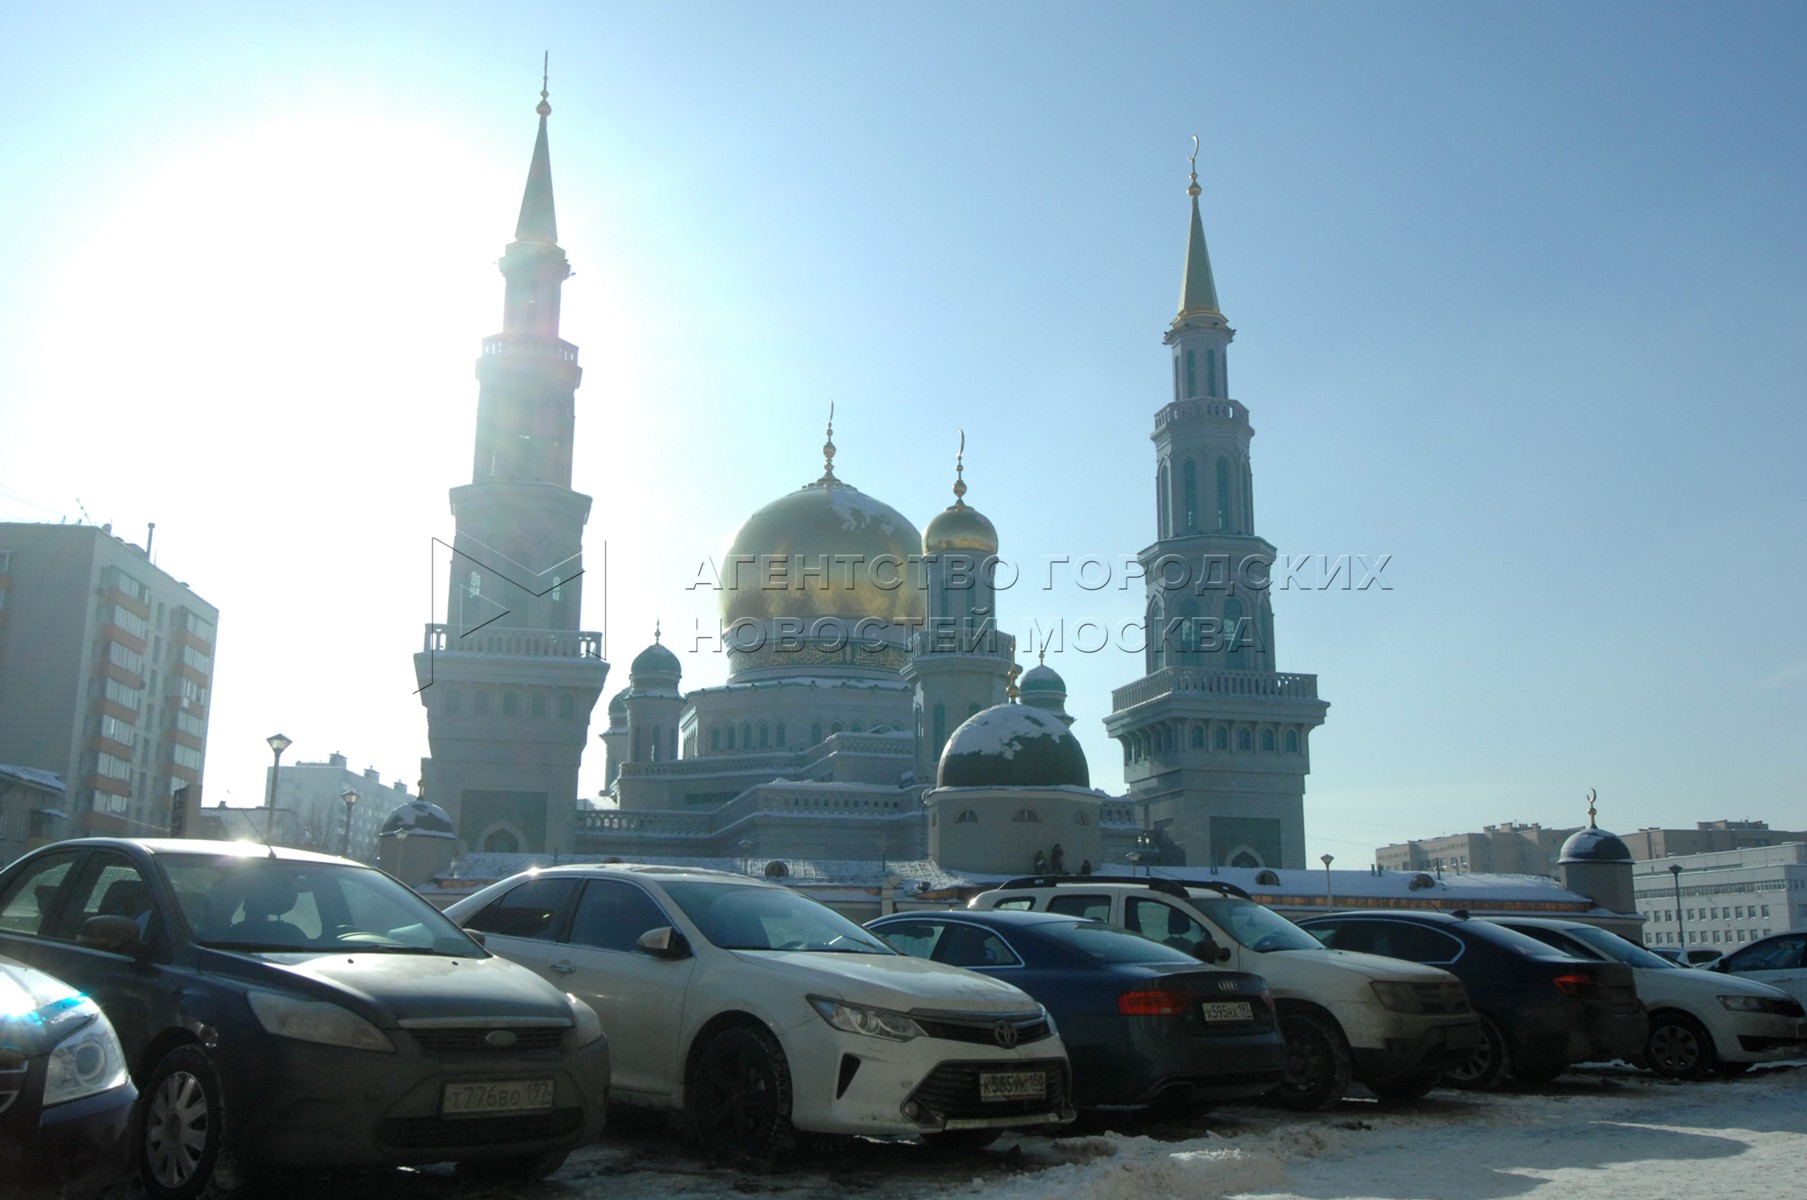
(1013, 745)
(959, 528)
(1594, 845)
(418, 818)
(654, 662)
(1042, 680)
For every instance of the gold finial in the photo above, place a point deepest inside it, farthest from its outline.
(1010, 688)
(1192, 190)
(1590, 809)
(960, 473)
(1041, 656)
(828, 450)
(542, 108)
(656, 632)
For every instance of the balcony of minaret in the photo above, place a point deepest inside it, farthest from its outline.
(507, 642)
(1229, 411)
(510, 353)
(1207, 682)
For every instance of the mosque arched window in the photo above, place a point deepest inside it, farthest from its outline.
(834, 727)
(501, 841)
(1223, 493)
(778, 735)
(567, 707)
(511, 704)
(715, 739)
(746, 735)
(1292, 741)
(1163, 502)
(1220, 738)
(1211, 373)
(1189, 495)
(538, 704)
(815, 734)
(1267, 741)
(1243, 740)
(765, 734)
(454, 701)
(1198, 737)
(859, 727)
(730, 737)
(1079, 817)
(940, 726)
(1176, 377)
(1027, 816)
(967, 817)
(1191, 376)
(481, 706)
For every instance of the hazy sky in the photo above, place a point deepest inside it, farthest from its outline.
(1518, 291)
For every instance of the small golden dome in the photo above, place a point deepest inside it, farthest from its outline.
(959, 528)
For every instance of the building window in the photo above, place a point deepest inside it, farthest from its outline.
(940, 726)
(567, 707)
(746, 735)
(815, 733)
(1267, 740)
(1223, 494)
(967, 817)
(764, 735)
(1211, 373)
(1027, 816)
(730, 737)
(1292, 741)
(511, 704)
(778, 735)
(834, 727)
(1243, 740)
(715, 739)
(1220, 738)
(1163, 502)
(482, 703)
(1189, 488)
(1191, 376)
(539, 704)
(1176, 377)
(1198, 737)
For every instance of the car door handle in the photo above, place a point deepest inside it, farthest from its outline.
(563, 968)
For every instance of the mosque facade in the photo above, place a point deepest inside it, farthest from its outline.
(874, 707)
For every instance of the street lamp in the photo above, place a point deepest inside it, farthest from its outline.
(278, 744)
(1329, 898)
(1681, 930)
(350, 797)
(746, 857)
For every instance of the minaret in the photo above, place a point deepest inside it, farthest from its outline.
(1214, 738)
(509, 680)
(959, 662)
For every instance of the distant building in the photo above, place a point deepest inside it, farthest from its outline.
(106, 675)
(1706, 837)
(1723, 898)
(31, 810)
(311, 811)
(1506, 849)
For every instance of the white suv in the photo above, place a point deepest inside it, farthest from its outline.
(759, 1012)
(1395, 1026)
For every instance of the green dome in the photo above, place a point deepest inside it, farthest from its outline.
(1013, 745)
(1043, 679)
(654, 660)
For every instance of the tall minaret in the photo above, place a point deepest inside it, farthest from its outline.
(509, 680)
(1214, 738)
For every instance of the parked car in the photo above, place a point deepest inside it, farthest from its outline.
(1699, 1021)
(1542, 1011)
(1394, 1026)
(757, 1012)
(1143, 1023)
(65, 1096)
(285, 1009)
(1689, 956)
(1779, 960)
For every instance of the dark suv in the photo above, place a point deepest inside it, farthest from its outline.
(1542, 1010)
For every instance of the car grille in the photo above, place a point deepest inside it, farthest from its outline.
(1443, 999)
(466, 1039)
(414, 1133)
(952, 1089)
(983, 1030)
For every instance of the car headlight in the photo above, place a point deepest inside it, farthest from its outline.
(873, 1022)
(316, 1021)
(588, 1026)
(1400, 997)
(86, 1063)
(1780, 1006)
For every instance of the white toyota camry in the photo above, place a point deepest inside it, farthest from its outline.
(759, 1012)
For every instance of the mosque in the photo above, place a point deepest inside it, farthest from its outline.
(875, 708)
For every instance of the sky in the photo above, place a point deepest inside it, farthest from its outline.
(1518, 293)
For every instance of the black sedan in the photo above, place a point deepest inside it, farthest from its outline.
(65, 1098)
(1144, 1024)
(1542, 1011)
(279, 1008)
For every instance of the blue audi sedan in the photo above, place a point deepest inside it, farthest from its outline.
(1144, 1024)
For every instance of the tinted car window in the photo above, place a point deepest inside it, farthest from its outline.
(914, 938)
(1782, 954)
(1391, 939)
(109, 886)
(970, 946)
(1164, 923)
(1095, 908)
(612, 915)
(532, 910)
(1017, 903)
(27, 904)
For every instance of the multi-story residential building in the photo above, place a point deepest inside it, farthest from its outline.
(1706, 837)
(311, 808)
(106, 674)
(1510, 848)
(1723, 898)
(31, 810)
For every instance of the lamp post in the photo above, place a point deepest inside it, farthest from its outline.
(746, 857)
(1329, 898)
(1681, 930)
(278, 744)
(350, 797)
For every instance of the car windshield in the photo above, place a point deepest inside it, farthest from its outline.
(257, 903)
(1618, 949)
(1111, 943)
(1255, 927)
(735, 916)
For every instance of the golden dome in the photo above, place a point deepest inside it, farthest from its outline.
(825, 550)
(958, 527)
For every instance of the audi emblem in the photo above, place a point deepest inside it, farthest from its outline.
(500, 1039)
(1006, 1034)
(1226, 985)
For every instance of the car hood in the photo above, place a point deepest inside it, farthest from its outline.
(1368, 966)
(1659, 983)
(392, 989)
(891, 981)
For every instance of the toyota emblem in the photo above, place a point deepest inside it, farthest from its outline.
(500, 1039)
(1005, 1032)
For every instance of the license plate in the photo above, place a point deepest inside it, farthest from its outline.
(1013, 1085)
(503, 1095)
(1234, 1010)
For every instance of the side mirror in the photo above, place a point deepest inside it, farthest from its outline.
(664, 942)
(476, 935)
(116, 935)
(1223, 953)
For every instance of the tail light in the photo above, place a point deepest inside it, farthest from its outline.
(1153, 1004)
(1579, 987)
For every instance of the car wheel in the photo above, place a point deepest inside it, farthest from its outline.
(182, 1127)
(1405, 1087)
(523, 1168)
(1487, 1064)
(1318, 1064)
(962, 1140)
(1679, 1047)
(738, 1098)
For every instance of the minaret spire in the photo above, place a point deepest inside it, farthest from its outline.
(538, 223)
(1198, 290)
(828, 477)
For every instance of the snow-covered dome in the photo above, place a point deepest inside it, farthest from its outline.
(418, 818)
(1594, 845)
(1013, 745)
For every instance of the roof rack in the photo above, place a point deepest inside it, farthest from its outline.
(1168, 886)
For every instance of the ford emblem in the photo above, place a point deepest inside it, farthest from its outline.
(500, 1039)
